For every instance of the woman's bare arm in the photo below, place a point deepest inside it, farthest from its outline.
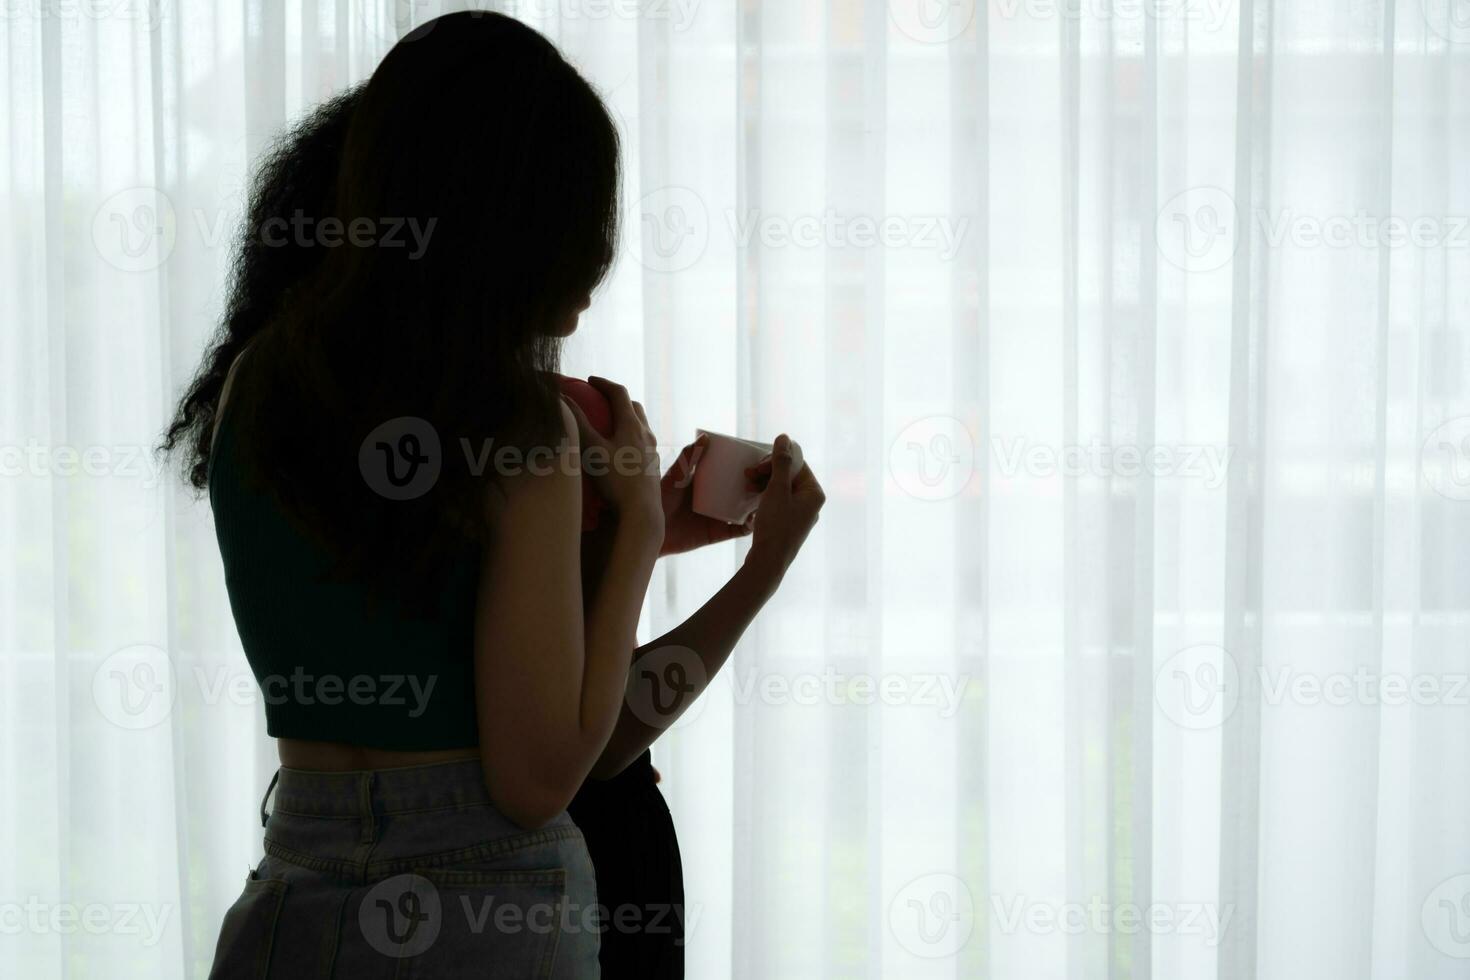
(789, 508)
(550, 679)
(710, 635)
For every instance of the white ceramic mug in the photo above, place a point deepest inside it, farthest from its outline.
(719, 476)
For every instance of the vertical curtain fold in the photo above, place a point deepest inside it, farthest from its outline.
(1245, 509)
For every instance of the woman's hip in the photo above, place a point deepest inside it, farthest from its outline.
(406, 873)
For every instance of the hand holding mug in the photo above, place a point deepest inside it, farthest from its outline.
(684, 529)
(788, 509)
(625, 465)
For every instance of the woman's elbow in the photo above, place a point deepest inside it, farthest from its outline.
(528, 802)
(610, 764)
(530, 817)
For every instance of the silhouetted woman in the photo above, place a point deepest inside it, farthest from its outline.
(443, 658)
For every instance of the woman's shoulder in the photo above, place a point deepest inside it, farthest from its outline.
(228, 389)
(537, 482)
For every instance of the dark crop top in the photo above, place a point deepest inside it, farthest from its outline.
(332, 665)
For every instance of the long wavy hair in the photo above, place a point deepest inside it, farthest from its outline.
(480, 173)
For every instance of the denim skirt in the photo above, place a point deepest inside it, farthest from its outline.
(409, 872)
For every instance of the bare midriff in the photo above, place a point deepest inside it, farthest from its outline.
(315, 756)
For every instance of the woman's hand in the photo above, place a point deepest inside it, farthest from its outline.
(788, 510)
(786, 513)
(685, 530)
(624, 466)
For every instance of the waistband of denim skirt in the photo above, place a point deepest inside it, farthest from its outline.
(438, 786)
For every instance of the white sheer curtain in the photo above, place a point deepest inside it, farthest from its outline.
(1128, 336)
